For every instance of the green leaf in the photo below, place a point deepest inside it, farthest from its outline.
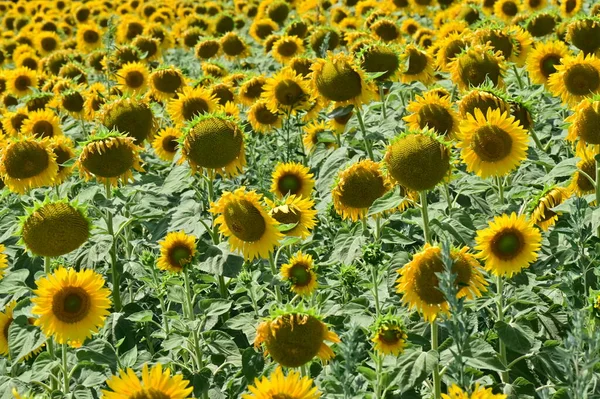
(23, 338)
(253, 363)
(515, 337)
(390, 200)
(215, 307)
(368, 372)
(562, 393)
(220, 261)
(98, 351)
(141, 317)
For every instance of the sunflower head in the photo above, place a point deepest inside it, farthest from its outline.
(454, 391)
(381, 59)
(166, 143)
(133, 118)
(476, 65)
(418, 160)
(417, 65)
(207, 48)
(483, 99)
(156, 383)
(286, 92)
(176, 251)
(133, 78)
(233, 46)
(433, 112)
(542, 24)
(300, 274)
(576, 78)
(580, 182)
(191, 103)
(292, 179)
(542, 61)
(286, 48)
(294, 337)
(389, 335)
(21, 81)
(296, 215)
(262, 119)
(251, 89)
(166, 82)
(324, 38)
(42, 124)
(279, 385)
(541, 213)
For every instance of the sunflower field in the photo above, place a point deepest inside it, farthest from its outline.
(300, 199)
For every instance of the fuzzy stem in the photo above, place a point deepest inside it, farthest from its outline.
(425, 216)
(363, 130)
(519, 81)
(382, 97)
(65, 370)
(192, 317)
(500, 190)
(437, 378)
(50, 340)
(116, 278)
(274, 273)
(501, 347)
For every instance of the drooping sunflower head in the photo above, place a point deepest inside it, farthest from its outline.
(417, 65)
(42, 124)
(278, 385)
(357, 187)
(575, 78)
(286, 92)
(21, 81)
(251, 89)
(242, 218)
(300, 274)
(109, 157)
(73, 71)
(156, 383)
(191, 103)
(583, 183)
(418, 160)
(292, 179)
(26, 163)
(295, 337)
(541, 213)
(132, 117)
(522, 112)
(71, 305)
(584, 33)
(176, 251)
(389, 335)
(508, 245)
(166, 82)
(133, 78)
(166, 143)
(476, 65)
(214, 142)
(544, 58)
(419, 285)
(382, 59)
(338, 78)
(262, 119)
(54, 228)
(62, 147)
(296, 215)
(324, 38)
(37, 101)
(207, 48)
(542, 23)
(483, 99)
(433, 112)
(492, 144)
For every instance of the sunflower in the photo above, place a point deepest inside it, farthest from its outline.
(313, 133)
(176, 251)
(479, 392)
(262, 28)
(542, 23)
(166, 82)
(419, 285)
(569, 8)
(251, 230)
(251, 89)
(475, 65)
(12, 122)
(20, 81)
(286, 92)
(286, 48)
(584, 34)
(156, 383)
(506, 10)
(234, 47)
(293, 338)
(417, 66)
(89, 37)
(214, 142)
(6, 319)
(191, 103)
(149, 46)
(54, 228)
(133, 78)
(389, 335)
(338, 78)
(26, 163)
(166, 143)
(71, 305)
(583, 183)
(433, 112)
(109, 157)
(292, 386)
(357, 187)
(418, 160)
(508, 245)
(380, 59)
(449, 47)
(262, 119)
(3, 261)
(70, 100)
(47, 42)
(584, 123)
(575, 78)
(483, 99)
(492, 145)
(298, 212)
(338, 123)
(542, 215)
(95, 97)
(132, 117)
(300, 274)
(41, 124)
(223, 93)
(292, 179)
(62, 147)
(207, 48)
(543, 59)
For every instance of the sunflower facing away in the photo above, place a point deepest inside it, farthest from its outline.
(492, 145)
(156, 383)
(575, 78)
(132, 117)
(357, 187)
(296, 211)
(433, 112)
(166, 143)
(542, 215)
(176, 251)
(294, 338)
(389, 335)
(419, 284)
(300, 274)
(292, 178)
(278, 385)
(509, 245)
(479, 392)
(71, 305)
(166, 82)
(242, 218)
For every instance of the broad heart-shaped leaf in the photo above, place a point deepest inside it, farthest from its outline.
(516, 338)
(220, 261)
(562, 393)
(141, 317)
(347, 246)
(14, 282)
(100, 352)
(253, 363)
(415, 366)
(23, 338)
(389, 200)
(477, 354)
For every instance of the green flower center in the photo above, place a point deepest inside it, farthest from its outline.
(507, 244)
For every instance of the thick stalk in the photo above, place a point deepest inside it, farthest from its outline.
(116, 278)
(65, 370)
(378, 372)
(437, 378)
(50, 340)
(501, 347)
(382, 98)
(215, 235)
(192, 317)
(375, 283)
(597, 183)
(500, 190)
(274, 273)
(519, 81)
(425, 216)
(363, 130)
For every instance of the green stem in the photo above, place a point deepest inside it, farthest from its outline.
(65, 369)
(50, 340)
(192, 317)
(378, 373)
(382, 97)
(437, 378)
(597, 183)
(116, 278)
(501, 347)
(448, 198)
(536, 140)
(500, 190)
(274, 273)
(215, 236)
(375, 283)
(363, 130)
(303, 370)
(425, 216)
(519, 81)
